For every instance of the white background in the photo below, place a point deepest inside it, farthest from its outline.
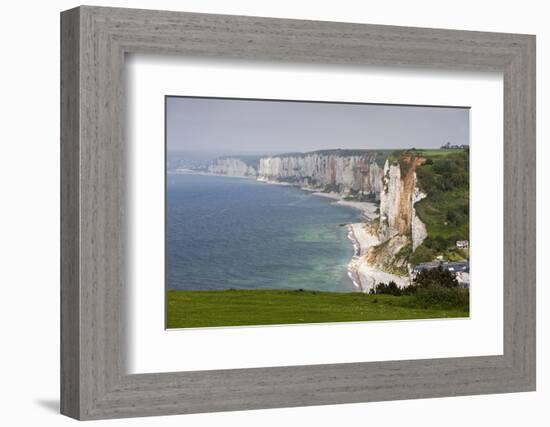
(29, 225)
(153, 349)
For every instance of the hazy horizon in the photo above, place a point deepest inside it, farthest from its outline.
(212, 127)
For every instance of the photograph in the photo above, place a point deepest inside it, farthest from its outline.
(286, 212)
(266, 214)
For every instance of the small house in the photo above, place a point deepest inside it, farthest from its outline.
(462, 244)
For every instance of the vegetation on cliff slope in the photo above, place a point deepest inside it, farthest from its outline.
(443, 175)
(445, 178)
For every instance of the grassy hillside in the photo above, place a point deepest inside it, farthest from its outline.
(445, 178)
(192, 309)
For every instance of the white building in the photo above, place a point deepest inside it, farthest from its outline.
(462, 244)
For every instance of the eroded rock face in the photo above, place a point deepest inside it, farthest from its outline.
(232, 167)
(418, 228)
(389, 256)
(343, 173)
(390, 201)
(400, 230)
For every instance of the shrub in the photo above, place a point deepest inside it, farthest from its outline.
(451, 216)
(436, 244)
(436, 277)
(439, 296)
(428, 295)
(389, 289)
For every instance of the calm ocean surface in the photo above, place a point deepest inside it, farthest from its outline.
(238, 233)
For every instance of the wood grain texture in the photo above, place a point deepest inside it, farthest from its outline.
(94, 380)
(70, 220)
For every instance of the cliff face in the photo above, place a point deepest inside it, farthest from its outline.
(390, 203)
(232, 166)
(418, 228)
(400, 230)
(341, 173)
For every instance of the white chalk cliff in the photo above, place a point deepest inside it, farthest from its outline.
(399, 226)
(343, 173)
(232, 166)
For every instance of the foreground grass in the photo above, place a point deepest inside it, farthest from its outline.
(192, 309)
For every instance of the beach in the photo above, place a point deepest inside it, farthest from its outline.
(364, 276)
(368, 209)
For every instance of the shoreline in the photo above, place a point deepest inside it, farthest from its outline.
(368, 209)
(364, 276)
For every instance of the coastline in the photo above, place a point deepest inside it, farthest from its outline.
(364, 276)
(367, 208)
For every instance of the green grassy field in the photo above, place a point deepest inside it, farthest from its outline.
(438, 152)
(193, 309)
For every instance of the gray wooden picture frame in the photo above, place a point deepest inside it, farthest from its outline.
(94, 381)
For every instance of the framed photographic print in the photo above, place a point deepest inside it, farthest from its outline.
(263, 213)
(340, 235)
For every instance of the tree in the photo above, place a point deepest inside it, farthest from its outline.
(451, 216)
(389, 289)
(438, 276)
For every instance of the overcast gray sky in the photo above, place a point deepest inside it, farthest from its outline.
(225, 127)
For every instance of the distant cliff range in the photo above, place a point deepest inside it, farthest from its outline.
(347, 172)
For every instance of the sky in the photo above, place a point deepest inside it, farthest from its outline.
(215, 126)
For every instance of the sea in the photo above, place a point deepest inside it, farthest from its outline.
(225, 232)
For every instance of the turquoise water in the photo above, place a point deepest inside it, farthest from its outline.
(238, 233)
